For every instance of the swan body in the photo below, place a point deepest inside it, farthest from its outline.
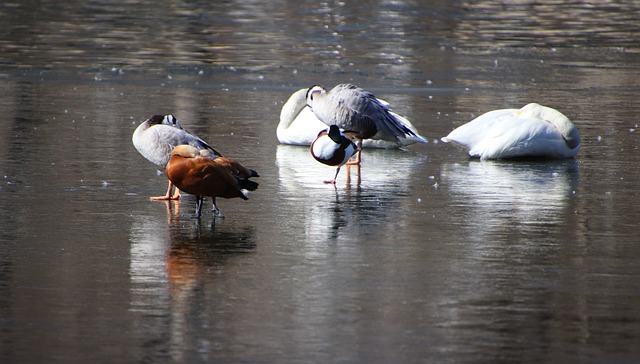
(532, 131)
(156, 137)
(300, 126)
(201, 174)
(333, 148)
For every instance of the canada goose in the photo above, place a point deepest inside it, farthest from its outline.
(156, 137)
(354, 109)
(299, 126)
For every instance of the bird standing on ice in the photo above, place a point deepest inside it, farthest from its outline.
(333, 148)
(532, 131)
(156, 137)
(354, 109)
(197, 173)
(299, 126)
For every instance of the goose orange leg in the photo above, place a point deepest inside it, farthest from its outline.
(168, 196)
(358, 159)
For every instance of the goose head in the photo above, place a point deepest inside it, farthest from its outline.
(171, 121)
(313, 92)
(163, 120)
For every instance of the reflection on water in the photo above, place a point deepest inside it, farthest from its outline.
(370, 195)
(171, 262)
(515, 217)
(545, 24)
(422, 255)
(505, 195)
(388, 169)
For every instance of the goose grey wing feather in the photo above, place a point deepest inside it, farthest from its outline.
(353, 110)
(366, 114)
(161, 139)
(200, 144)
(182, 136)
(342, 106)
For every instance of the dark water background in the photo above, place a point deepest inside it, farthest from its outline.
(428, 257)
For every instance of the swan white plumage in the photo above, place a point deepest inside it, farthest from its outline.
(299, 125)
(532, 131)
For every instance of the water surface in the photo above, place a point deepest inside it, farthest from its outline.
(423, 256)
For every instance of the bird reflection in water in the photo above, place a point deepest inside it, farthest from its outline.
(170, 265)
(173, 211)
(194, 247)
(346, 211)
(388, 169)
(532, 193)
(358, 180)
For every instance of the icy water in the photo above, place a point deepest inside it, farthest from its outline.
(426, 256)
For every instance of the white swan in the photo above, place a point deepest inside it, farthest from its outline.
(299, 126)
(532, 131)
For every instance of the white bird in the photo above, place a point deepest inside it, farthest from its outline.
(300, 126)
(332, 148)
(156, 137)
(532, 131)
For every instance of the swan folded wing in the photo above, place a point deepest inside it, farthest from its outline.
(542, 139)
(519, 138)
(488, 125)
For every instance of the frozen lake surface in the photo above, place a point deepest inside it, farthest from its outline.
(426, 256)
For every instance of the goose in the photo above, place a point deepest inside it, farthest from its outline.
(333, 148)
(201, 174)
(156, 137)
(532, 131)
(299, 125)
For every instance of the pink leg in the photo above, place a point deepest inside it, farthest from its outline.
(358, 159)
(168, 196)
(334, 177)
